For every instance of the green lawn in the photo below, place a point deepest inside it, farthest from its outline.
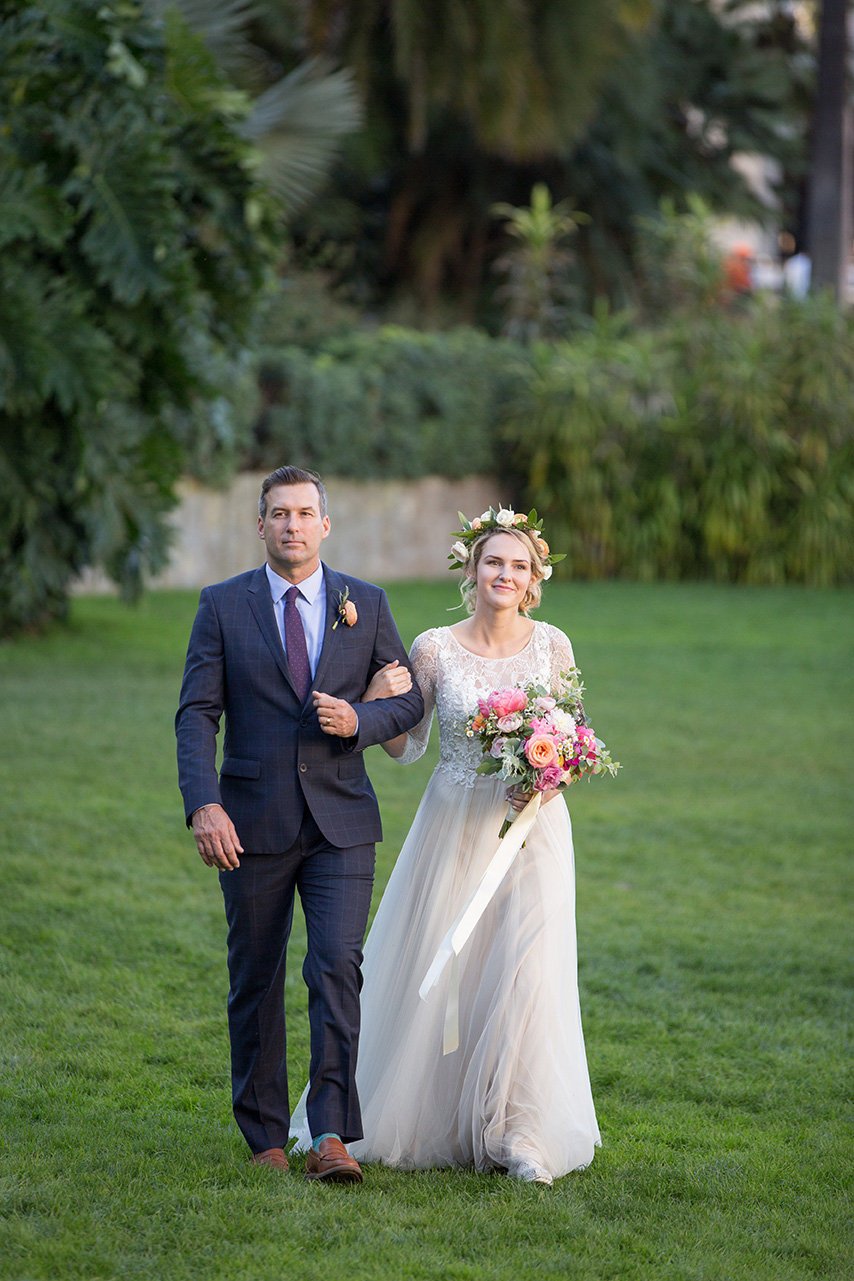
(712, 875)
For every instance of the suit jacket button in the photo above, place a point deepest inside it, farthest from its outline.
(303, 767)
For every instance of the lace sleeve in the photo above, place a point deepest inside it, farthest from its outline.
(424, 664)
(561, 659)
(560, 653)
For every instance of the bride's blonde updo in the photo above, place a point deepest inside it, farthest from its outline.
(468, 586)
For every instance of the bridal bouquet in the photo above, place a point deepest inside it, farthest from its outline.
(538, 740)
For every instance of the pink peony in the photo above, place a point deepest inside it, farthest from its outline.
(505, 701)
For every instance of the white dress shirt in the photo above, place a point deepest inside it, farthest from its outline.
(311, 604)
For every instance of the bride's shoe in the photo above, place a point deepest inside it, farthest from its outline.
(529, 1172)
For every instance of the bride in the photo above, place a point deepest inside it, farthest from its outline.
(515, 1095)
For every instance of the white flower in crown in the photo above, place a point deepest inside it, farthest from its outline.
(487, 515)
(505, 516)
(460, 551)
(547, 572)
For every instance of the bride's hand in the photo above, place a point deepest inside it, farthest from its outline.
(388, 682)
(517, 798)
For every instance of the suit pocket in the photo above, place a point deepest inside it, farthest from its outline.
(236, 767)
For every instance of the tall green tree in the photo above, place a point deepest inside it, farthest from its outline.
(135, 240)
(613, 105)
(464, 102)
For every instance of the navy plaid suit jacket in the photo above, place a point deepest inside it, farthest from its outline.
(276, 758)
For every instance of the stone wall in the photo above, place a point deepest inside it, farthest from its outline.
(381, 530)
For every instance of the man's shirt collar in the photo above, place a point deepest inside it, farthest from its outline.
(310, 587)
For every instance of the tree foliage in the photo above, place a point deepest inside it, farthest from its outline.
(133, 245)
(645, 101)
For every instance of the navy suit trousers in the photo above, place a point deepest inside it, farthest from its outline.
(335, 887)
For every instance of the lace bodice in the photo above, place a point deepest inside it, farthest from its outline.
(452, 679)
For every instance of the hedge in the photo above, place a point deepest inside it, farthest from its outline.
(391, 403)
(719, 446)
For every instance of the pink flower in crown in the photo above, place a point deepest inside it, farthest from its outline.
(511, 722)
(503, 702)
(551, 776)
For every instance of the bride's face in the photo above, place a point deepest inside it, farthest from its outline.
(503, 573)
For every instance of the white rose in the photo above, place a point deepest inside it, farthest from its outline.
(547, 572)
(487, 515)
(505, 516)
(460, 551)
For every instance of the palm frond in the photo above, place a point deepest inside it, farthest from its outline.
(222, 24)
(297, 124)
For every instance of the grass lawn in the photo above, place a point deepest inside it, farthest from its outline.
(711, 878)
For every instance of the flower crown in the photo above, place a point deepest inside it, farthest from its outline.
(498, 519)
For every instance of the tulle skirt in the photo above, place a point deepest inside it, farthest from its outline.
(517, 1087)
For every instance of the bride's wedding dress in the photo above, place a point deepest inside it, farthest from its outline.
(517, 1088)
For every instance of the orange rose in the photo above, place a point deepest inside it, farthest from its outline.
(541, 751)
(350, 613)
(541, 546)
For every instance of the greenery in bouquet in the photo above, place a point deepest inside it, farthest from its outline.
(539, 740)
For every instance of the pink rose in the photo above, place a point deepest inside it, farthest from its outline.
(544, 703)
(505, 701)
(541, 751)
(509, 723)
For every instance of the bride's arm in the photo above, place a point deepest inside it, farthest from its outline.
(386, 683)
(391, 680)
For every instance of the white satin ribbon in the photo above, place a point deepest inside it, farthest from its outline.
(460, 931)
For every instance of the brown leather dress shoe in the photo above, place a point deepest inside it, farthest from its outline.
(332, 1163)
(271, 1156)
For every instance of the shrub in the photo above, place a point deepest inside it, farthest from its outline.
(390, 403)
(131, 265)
(721, 446)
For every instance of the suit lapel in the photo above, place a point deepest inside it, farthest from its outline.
(261, 604)
(334, 584)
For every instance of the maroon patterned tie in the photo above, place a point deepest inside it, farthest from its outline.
(296, 646)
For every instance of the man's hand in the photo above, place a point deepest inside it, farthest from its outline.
(216, 838)
(336, 716)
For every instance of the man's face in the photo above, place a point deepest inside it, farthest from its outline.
(293, 530)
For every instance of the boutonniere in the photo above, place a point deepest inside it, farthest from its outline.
(347, 612)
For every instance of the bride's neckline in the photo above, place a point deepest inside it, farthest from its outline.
(505, 658)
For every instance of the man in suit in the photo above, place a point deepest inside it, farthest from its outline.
(286, 652)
